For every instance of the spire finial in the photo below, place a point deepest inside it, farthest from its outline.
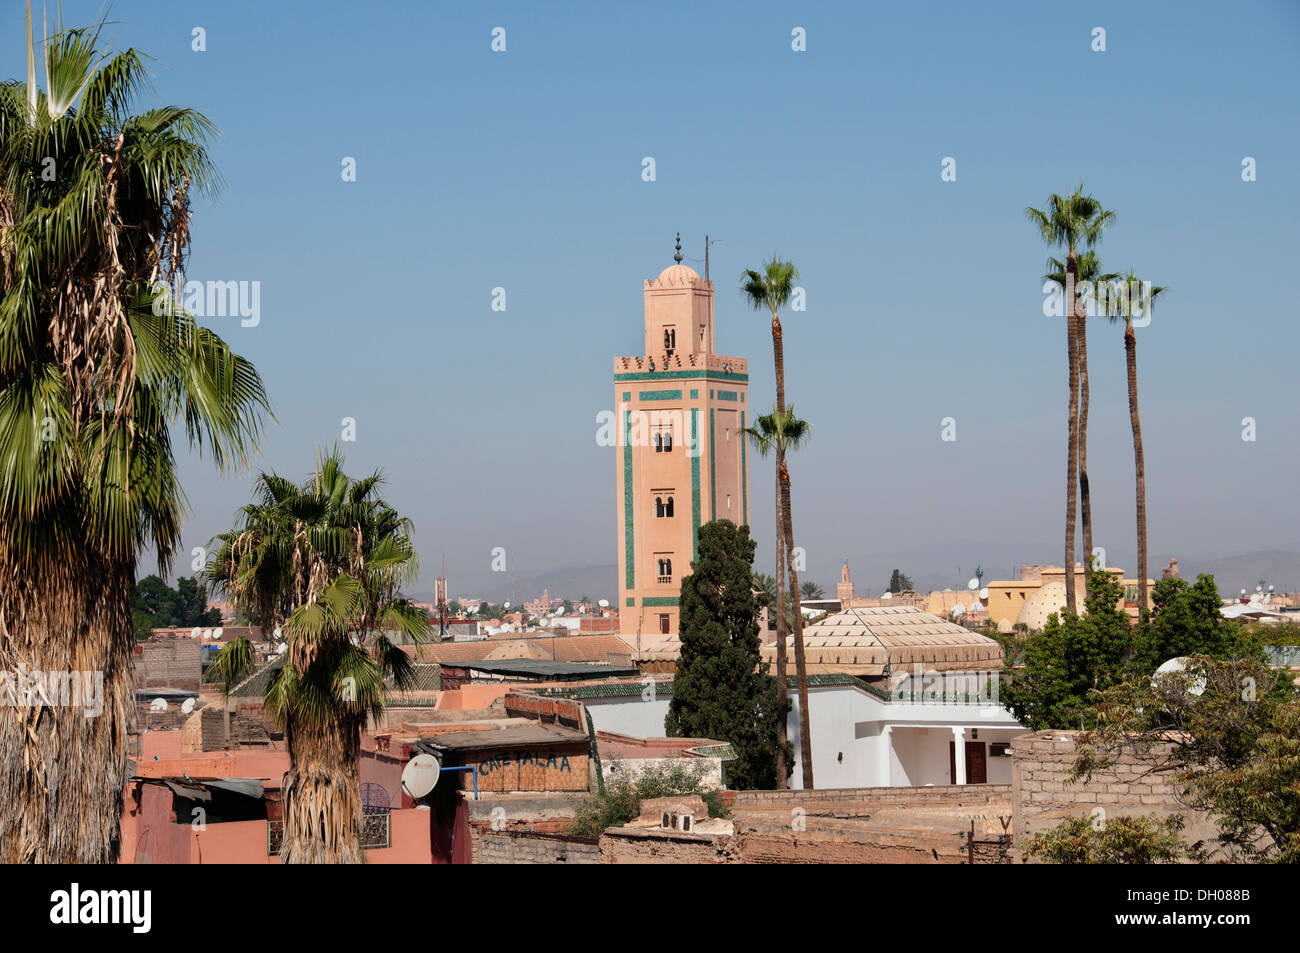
(678, 257)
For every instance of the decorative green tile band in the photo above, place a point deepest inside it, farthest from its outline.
(728, 395)
(660, 601)
(629, 556)
(681, 375)
(695, 485)
(660, 395)
(694, 393)
(631, 602)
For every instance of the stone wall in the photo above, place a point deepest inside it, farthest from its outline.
(1042, 794)
(841, 800)
(526, 846)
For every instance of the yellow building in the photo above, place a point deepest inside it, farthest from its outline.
(681, 457)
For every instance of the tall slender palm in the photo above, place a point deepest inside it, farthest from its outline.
(1128, 304)
(769, 291)
(1071, 221)
(324, 563)
(1089, 273)
(94, 215)
(780, 432)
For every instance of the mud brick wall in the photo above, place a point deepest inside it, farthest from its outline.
(529, 847)
(850, 801)
(162, 662)
(1042, 794)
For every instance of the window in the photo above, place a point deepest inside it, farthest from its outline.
(663, 439)
(668, 507)
(728, 502)
(665, 564)
(659, 506)
(663, 503)
(663, 624)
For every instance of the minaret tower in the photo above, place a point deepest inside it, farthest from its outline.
(681, 455)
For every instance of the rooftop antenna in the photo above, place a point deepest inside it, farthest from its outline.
(707, 242)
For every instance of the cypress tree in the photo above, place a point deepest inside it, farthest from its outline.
(720, 691)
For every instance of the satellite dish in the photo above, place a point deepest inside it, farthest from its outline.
(958, 610)
(973, 584)
(603, 603)
(984, 593)
(560, 611)
(195, 632)
(158, 704)
(888, 595)
(187, 706)
(420, 775)
(207, 633)
(216, 633)
(1195, 687)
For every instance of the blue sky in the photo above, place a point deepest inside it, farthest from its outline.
(522, 170)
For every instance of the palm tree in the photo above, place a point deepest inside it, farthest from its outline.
(770, 291)
(1126, 308)
(323, 563)
(94, 215)
(779, 432)
(811, 590)
(1089, 268)
(1069, 222)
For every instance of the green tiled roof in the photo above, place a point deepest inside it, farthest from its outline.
(256, 685)
(606, 690)
(427, 678)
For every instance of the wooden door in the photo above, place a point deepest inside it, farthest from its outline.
(976, 762)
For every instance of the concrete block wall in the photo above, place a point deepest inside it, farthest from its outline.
(165, 662)
(1043, 795)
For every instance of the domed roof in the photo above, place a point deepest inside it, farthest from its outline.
(1049, 598)
(677, 275)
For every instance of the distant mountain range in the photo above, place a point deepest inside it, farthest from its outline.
(924, 565)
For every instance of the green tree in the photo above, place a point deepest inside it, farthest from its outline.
(1070, 221)
(159, 606)
(810, 590)
(1227, 732)
(1186, 619)
(1141, 839)
(782, 431)
(719, 691)
(898, 582)
(323, 562)
(1071, 657)
(93, 377)
(1127, 307)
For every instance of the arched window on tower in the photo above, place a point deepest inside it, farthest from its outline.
(668, 507)
(668, 440)
(659, 506)
(659, 443)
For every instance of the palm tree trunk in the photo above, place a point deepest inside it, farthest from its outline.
(1072, 427)
(1139, 464)
(1085, 497)
(63, 756)
(322, 799)
(800, 667)
(783, 687)
(782, 673)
